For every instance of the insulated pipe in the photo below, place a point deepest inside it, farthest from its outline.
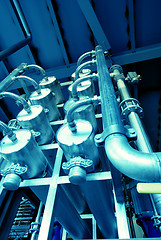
(80, 80)
(85, 55)
(8, 131)
(30, 80)
(17, 98)
(137, 165)
(70, 117)
(82, 66)
(40, 69)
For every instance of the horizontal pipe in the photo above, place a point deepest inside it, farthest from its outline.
(10, 50)
(7, 52)
(17, 98)
(84, 56)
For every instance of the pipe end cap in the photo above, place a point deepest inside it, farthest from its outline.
(11, 182)
(77, 175)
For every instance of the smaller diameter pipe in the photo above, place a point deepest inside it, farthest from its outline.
(37, 221)
(82, 66)
(30, 80)
(91, 77)
(70, 116)
(84, 56)
(17, 98)
(40, 69)
(8, 131)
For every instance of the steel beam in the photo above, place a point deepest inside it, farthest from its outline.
(94, 23)
(139, 55)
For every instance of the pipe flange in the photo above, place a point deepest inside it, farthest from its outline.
(100, 138)
(14, 168)
(77, 169)
(130, 105)
(87, 164)
(116, 67)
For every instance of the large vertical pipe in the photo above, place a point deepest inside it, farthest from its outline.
(109, 105)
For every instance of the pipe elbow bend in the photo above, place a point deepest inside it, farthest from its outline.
(133, 163)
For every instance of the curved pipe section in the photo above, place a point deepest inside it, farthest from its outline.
(30, 80)
(82, 66)
(40, 69)
(8, 131)
(84, 56)
(17, 98)
(134, 164)
(80, 80)
(137, 165)
(70, 117)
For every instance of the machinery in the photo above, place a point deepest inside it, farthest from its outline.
(76, 161)
(102, 177)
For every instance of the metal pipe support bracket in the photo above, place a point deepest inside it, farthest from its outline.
(115, 129)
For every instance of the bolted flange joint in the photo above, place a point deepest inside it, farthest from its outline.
(87, 164)
(14, 168)
(116, 67)
(130, 105)
(77, 169)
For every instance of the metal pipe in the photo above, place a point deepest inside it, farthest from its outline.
(10, 50)
(17, 98)
(85, 55)
(7, 52)
(19, 13)
(82, 66)
(35, 233)
(142, 140)
(80, 80)
(40, 69)
(8, 131)
(137, 165)
(70, 117)
(30, 80)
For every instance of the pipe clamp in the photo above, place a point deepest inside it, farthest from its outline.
(100, 138)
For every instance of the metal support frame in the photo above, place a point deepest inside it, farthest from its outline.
(7, 52)
(94, 23)
(139, 55)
